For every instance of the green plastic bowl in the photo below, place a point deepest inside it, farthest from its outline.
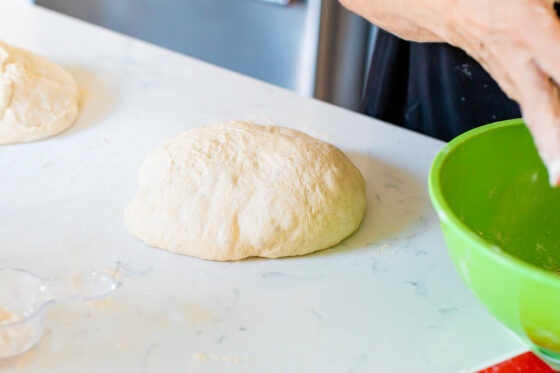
(501, 222)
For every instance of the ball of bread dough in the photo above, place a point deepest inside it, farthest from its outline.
(38, 98)
(233, 190)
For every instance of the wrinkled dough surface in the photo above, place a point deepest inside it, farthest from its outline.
(38, 98)
(233, 190)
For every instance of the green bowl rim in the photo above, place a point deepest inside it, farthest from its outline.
(446, 213)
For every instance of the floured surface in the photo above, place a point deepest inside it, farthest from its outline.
(234, 190)
(385, 300)
(38, 99)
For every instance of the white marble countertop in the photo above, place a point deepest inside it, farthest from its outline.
(386, 300)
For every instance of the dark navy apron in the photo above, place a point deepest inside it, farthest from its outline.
(432, 88)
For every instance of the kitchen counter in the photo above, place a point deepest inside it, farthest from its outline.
(387, 299)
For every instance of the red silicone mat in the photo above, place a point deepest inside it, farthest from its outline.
(527, 362)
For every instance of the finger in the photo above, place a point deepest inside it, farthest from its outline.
(540, 104)
(544, 37)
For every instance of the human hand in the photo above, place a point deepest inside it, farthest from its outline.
(517, 42)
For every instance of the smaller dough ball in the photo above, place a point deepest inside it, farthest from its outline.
(233, 190)
(38, 98)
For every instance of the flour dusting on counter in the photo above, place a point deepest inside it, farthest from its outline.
(201, 357)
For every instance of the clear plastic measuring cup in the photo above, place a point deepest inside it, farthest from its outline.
(24, 298)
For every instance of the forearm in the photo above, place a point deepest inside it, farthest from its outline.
(415, 20)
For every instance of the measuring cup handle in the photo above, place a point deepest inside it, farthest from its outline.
(89, 287)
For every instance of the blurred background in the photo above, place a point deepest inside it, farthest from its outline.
(313, 47)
